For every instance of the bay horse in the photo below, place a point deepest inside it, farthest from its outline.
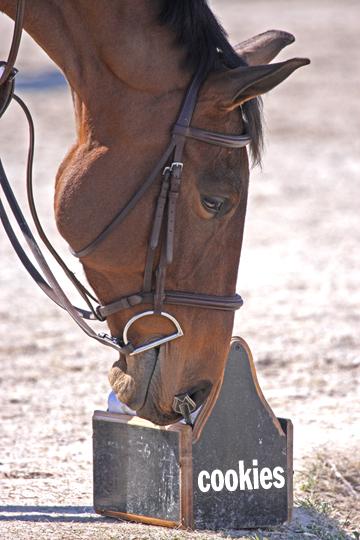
(129, 64)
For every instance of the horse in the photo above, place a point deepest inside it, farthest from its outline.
(129, 64)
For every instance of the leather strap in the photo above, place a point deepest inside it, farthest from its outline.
(155, 234)
(219, 139)
(159, 295)
(159, 213)
(57, 291)
(173, 196)
(149, 266)
(14, 49)
(176, 143)
(122, 215)
(175, 298)
(84, 293)
(167, 249)
(39, 280)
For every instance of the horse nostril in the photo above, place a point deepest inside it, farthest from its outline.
(200, 393)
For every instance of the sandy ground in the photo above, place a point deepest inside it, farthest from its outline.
(299, 276)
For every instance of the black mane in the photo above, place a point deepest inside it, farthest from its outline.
(208, 49)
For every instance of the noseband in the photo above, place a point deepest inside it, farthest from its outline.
(171, 166)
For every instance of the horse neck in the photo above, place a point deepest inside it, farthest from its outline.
(113, 54)
(134, 46)
(88, 37)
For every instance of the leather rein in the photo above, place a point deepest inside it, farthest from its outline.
(171, 165)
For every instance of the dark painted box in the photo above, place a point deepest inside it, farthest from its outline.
(237, 475)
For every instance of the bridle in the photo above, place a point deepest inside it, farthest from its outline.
(171, 165)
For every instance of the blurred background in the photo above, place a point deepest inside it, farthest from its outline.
(299, 272)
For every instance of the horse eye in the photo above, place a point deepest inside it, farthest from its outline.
(212, 204)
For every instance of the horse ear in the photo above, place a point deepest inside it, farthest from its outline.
(263, 48)
(236, 86)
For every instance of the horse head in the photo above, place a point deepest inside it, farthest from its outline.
(128, 86)
(209, 226)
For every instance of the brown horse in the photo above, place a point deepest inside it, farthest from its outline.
(128, 64)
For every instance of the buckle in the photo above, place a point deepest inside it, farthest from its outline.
(113, 342)
(12, 73)
(174, 164)
(6, 88)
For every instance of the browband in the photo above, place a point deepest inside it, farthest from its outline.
(230, 141)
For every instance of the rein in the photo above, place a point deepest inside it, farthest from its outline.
(171, 165)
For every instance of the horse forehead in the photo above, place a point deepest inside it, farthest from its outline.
(210, 165)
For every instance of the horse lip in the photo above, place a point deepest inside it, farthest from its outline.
(148, 407)
(130, 377)
(158, 418)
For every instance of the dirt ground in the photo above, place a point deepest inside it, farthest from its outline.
(299, 277)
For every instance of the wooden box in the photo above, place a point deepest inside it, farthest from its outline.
(237, 475)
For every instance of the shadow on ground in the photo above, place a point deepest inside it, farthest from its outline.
(307, 522)
(62, 514)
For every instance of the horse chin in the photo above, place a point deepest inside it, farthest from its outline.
(130, 378)
(153, 415)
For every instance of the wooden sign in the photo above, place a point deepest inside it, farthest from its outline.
(238, 475)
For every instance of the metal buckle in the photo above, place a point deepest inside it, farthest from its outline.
(158, 342)
(174, 164)
(12, 73)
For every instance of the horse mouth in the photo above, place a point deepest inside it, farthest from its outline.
(138, 382)
(130, 377)
(152, 412)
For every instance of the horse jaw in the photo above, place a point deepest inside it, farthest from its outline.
(130, 378)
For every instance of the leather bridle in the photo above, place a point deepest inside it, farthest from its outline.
(171, 166)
